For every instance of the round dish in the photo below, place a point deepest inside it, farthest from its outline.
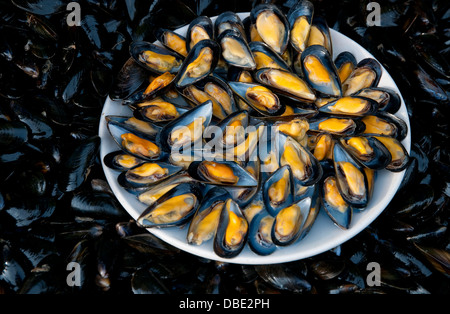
(323, 236)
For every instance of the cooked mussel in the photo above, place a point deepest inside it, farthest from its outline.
(336, 125)
(350, 177)
(201, 28)
(350, 106)
(320, 72)
(300, 19)
(334, 204)
(345, 63)
(306, 170)
(266, 57)
(158, 85)
(134, 124)
(187, 129)
(228, 20)
(388, 100)
(319, 34)
(204, 223)
(399, 154)
(385, 124)
(295, 128)
(367, 150)
(278, 190)
(157, 111)
(286, 83)
(143, 175)
(232, 231)
(271, 25)
(174, 208)
(155, 58)
(229, 132)
(366, 74)
(246, 150)
(172, 40)
(235, 50)
(118, 160)
(322, 146)
(258, 97)
(199, 63)
(225, 173)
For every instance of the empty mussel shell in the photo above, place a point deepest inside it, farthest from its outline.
(320, 72)
(155, 58)
(174, 208)
(232, 231)
(222, 173)
(271, 25)
(199, 63)
(350, 178)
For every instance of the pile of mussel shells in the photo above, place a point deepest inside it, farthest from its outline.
(243, 130)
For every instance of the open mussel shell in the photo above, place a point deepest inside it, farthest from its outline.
(350, 106)
(345, 63)
(306, 169)
(134, 124)
(399, 154)
(336, 125)
(222, 173)
(174, 208)
(388, 100)
(235, 50)
(286, 83)
(129, 79)
(232, 231)
(201, 28)
(260, 227)
(153, 192)
(158, 85)
(319, 34)
(258, 97)
(157, 111)
(300, 19)
(172, 41)
(320, 72)
(334, 204)
(385, 124)
(366, 74)
(204, 223)
(229, 132)
(228, 20)
(266, 57)
(121, 161)
(199, 63)
(367, 150)
(295, 127)
(155, 58)
(271, 25)
(278, 190)
(350, 177)
(140, 177)
(187, 129)
(287, 227)
(134, 142)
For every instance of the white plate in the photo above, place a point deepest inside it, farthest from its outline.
(323, 236)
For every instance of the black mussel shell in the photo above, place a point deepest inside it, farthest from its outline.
(187, 194)
(229, 132)
(300, 19)
(164, 35)
(232, 227)
(319, 34)
(133, 124)
(350, 106)
(366, 74)
(385, 124)
(345, 63)
(399, 155)
(155, 58)
(228, 20)
(276, 200)
(260, 228)
(200, 62)
(235, 50)
(265, 16)
(266, 57)
(367, 150)
(129, 80)
(204, 25)
(334, 205)
(388, 100)
(336, 125)
(157, 112)
(118, 160)
(351, 178)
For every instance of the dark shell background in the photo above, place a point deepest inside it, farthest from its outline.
(55, 204)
